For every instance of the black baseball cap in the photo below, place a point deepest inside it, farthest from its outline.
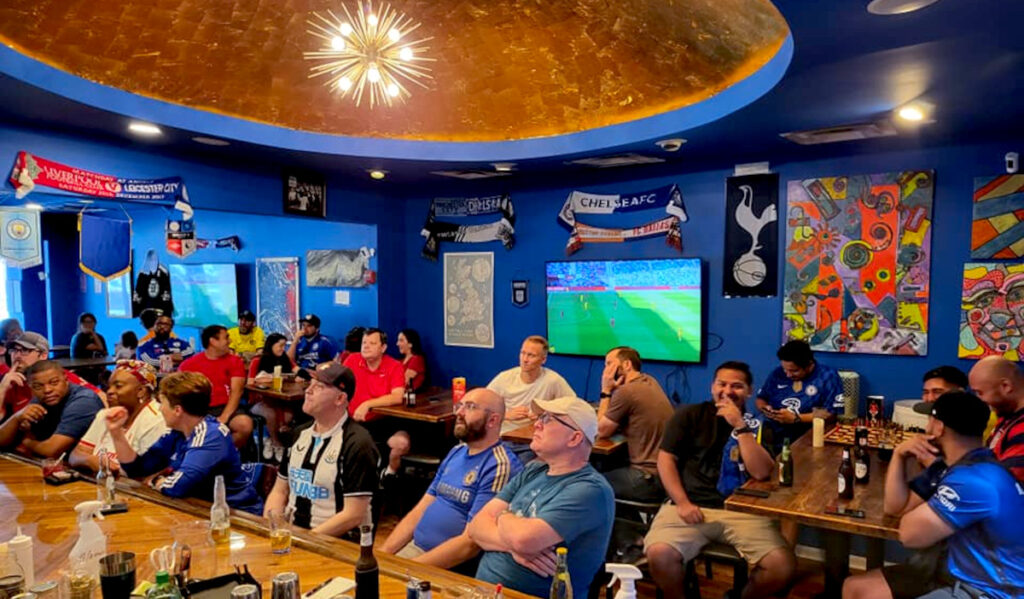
(336, 375)
(246, 315)
(312, 319)
(961, 411)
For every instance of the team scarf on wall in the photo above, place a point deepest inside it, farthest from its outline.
(436, 231)
(31, 171)
(581, 202)
(104, 246)
(182, 241)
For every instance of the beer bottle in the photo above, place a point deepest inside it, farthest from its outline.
(561, 585)
(220, 514)
(861, 465)
(846, 476)
(367, 572)
(786, 466)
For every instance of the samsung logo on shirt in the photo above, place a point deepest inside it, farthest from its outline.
(947, 497)
(453, 493)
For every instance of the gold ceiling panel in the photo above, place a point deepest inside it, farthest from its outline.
(505, 70)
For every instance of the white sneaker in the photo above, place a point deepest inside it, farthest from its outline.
(268, 449)
(278, 453)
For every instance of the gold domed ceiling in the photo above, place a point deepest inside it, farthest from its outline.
(504, 70)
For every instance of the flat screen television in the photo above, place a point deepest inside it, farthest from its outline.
(653, 306)
(204, 294)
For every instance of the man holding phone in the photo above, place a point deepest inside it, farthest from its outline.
(793, 390)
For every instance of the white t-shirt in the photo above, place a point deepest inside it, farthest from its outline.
(510, 386)
(149, 426)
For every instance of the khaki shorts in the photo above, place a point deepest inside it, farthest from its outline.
(410, 551)
(753, 536)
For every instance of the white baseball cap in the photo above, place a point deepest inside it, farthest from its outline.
(579, 411)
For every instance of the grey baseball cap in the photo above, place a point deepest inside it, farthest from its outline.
(30, 340)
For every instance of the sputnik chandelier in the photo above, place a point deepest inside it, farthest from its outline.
(369, 53)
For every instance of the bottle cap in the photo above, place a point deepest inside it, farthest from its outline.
(562, 550)
(162, 577)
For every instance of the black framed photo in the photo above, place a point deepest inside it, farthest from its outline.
(305, 193)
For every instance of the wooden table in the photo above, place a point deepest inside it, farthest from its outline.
(524, 434)
(434, 408)
(76, 363)
(291, 391)
(47, 514)
(815, 472)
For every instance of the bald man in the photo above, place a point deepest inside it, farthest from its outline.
(1000, 384)
(434, 532)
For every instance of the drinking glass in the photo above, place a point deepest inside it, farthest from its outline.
(280, 530)
(117, 575)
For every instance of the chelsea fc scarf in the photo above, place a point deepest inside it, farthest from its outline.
(581, 202)
(436, 231)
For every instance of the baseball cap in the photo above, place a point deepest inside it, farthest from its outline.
(581, 413)
(961, 411)
(30, 340)
(335, 375)
(312, 319)
(246, 315)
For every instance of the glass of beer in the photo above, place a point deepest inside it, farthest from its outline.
(280, 530)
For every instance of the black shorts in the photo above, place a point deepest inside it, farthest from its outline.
(243, 410)
(923, 572)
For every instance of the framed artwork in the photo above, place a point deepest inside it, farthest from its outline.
(305, 193)
(277, 295)
(469, 299)
(989, 311)
(858, 256)
(997, 227)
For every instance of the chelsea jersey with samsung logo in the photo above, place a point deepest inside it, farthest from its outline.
(321, 469)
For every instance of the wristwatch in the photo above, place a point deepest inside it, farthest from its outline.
(605, 394)
(743, 429)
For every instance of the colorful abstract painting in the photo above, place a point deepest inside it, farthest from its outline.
(997, 230)
(992, 311)
(858, 251)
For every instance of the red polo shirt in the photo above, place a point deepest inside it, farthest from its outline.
(374, 383)
(219, 371)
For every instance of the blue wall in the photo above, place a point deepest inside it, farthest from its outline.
(219, 191)
(744, 329)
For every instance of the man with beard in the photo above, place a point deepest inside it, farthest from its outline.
(246, 338)
(25, 351)
(55, 419)
(164, 342)
(310, 347)
(132, 385)
(707, 452)
(329, 475)
(434, 532)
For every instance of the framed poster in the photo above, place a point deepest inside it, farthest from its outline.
(305, 193)
(469, 299)
(277, 295)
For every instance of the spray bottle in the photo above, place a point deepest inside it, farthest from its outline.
(92, 543)
(627, 575)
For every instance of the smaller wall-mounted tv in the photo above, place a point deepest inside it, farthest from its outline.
(653, 306)
(204, 294)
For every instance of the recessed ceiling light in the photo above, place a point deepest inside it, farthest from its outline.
(897, 7)
(33, 206)
(144, 128)
(378, 174)
(210, 141)
(915, 113)
(504, 167)
(671, 145)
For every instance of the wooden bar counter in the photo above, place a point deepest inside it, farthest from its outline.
(47, 514)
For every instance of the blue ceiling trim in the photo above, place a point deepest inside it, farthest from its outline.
(134, 106)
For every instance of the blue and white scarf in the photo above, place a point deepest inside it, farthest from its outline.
(436, 231)
(580, 202)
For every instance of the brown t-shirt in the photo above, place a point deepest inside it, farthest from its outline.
(641, 409)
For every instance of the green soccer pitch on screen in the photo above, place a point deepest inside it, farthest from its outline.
(653, 306)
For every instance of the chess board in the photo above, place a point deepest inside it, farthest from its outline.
(846, 434)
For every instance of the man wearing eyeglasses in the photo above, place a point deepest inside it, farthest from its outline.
(472, 473)
(25, 351)
(557, 500)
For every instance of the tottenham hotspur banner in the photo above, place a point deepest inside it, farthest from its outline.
(667, 199)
